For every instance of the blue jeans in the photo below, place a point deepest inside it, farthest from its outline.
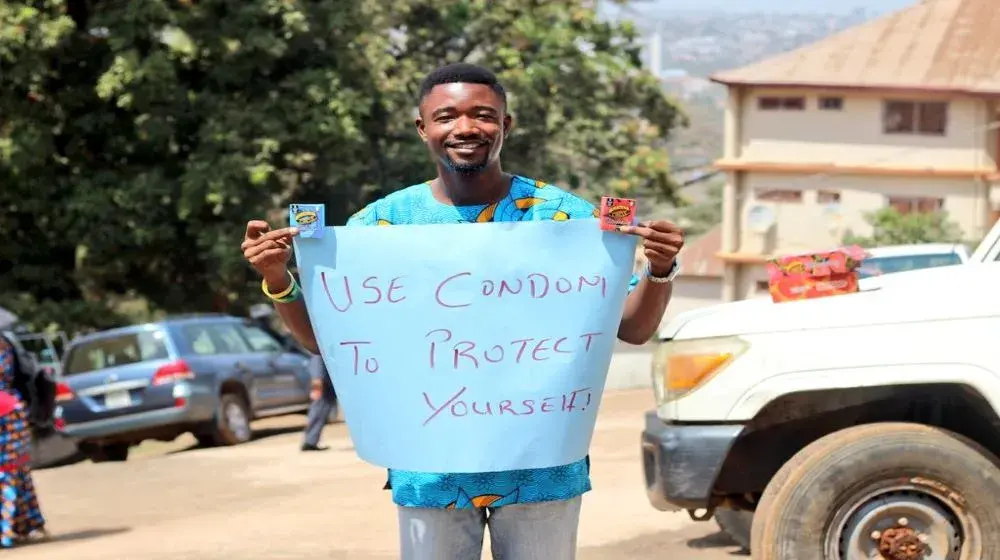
(544, 530)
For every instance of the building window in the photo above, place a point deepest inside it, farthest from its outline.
(781, 103)
(918, 205)
(777, 195)
(831, 103)
(827, 197)
(915, 117)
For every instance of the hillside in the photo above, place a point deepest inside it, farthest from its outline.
(694, 45)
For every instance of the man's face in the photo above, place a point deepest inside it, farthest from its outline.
(464, 125)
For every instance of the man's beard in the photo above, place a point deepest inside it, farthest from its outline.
(467, 168)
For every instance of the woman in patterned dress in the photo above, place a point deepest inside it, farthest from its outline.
(20, 517)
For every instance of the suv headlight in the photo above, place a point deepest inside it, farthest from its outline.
(681, 366)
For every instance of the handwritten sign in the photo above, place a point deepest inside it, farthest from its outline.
(468, 347)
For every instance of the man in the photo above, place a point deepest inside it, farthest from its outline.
(324, 403)
(463, 121)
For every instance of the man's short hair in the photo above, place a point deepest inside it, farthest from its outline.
(461, 73)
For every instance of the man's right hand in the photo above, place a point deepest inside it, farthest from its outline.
(268, 252)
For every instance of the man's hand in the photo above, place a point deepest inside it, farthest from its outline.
(269, 251)
(661, 241)
(315, 389)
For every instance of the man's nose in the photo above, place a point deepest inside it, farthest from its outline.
(466, 126)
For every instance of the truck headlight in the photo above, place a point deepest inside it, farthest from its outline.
(681, 366)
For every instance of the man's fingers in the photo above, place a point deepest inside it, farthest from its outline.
(281, 236)
(662, 226)
(658, 250)
(256, 228)
(674, 239)
(265, 255)
(640, 231)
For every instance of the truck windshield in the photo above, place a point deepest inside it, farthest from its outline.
(116, 350)
(886, 265)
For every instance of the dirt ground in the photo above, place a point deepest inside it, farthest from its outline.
(267, 500)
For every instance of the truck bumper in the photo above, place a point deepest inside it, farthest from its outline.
(682, 462)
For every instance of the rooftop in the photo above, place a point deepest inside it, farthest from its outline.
(936, 45)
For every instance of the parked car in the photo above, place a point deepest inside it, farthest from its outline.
(863, 425)
(899, 258)
(209, 375)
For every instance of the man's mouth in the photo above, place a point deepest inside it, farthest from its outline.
(466, 146)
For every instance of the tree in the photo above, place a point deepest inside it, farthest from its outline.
(138, 137)
(891, 227)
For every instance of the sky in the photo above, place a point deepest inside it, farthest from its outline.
(786, 6)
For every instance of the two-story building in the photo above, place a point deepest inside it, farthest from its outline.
(903, 111)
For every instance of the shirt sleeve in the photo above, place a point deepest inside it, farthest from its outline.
(364, 217)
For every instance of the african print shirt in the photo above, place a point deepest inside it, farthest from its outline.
(528, 200)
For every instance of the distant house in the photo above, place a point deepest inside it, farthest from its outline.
(902, 111)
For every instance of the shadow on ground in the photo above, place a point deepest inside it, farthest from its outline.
(718, 540)
(84, 535)
(258, 435)
(652, 545)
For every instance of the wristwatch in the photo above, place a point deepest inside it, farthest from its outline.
(662, 279)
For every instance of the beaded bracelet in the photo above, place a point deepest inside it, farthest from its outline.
(288, 295)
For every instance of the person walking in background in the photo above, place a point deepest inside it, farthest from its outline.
(20, 516)
(324, 404)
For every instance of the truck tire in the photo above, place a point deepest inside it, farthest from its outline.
(232, 422)
(736, 525)
(895, 489)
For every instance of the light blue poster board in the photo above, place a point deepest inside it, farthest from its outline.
(468, 347)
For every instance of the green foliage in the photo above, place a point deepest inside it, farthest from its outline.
(890, 227)
(137, 138)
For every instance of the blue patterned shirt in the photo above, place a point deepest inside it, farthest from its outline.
(528, 200)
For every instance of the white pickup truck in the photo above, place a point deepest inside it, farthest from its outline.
(855, 427)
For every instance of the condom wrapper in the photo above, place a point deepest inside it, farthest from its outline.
(616, 212)
(309, 218)
(815, 275)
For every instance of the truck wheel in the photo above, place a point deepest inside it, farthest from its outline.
(891, 490)
(736, 525)
(232, 422)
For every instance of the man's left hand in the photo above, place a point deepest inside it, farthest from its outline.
(661, 241)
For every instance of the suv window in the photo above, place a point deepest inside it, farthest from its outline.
(117, 350)
(229, 339)
(200, 339)
(260, 340)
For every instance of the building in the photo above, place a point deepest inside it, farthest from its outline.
(900, 111)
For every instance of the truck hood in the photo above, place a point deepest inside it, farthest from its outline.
(950, 292)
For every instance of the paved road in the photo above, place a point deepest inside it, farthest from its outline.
(266, 500)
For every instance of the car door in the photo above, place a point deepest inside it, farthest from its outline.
(213, 349)
(290, 377)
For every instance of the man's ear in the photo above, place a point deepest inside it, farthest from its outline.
(508, 124)
(419, 123)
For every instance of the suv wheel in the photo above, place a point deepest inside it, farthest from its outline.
(232, 422)
(888, 490)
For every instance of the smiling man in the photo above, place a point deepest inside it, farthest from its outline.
(531, 514)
